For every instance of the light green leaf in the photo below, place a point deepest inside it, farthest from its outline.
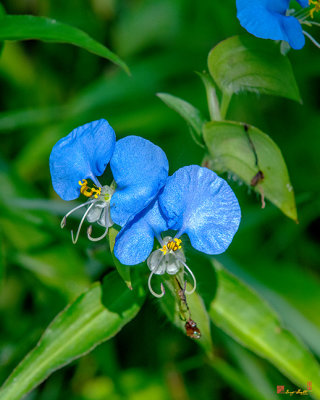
(188, 112)
(95, 316)
(25, 27)
(244, 150)
(242, 314)
(245, 63)
(124, 270)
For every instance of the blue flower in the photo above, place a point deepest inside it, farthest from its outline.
(269, 19)
(194, 201)
(139, 167)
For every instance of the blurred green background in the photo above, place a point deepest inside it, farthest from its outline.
(49, 89)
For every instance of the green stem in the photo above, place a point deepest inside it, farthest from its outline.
(213, 104)
(212, 98)
(226, 98)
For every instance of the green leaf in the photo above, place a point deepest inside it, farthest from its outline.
(244, 150)
(95, 316)
(124, 270)
(242, 314)
(56, 266)
(188, 112)
(245, 63)
(25, 27)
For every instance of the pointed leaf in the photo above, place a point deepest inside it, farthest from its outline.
(95, 316)
(25, 27)
(188, 112)
(245, 151)
(242, 314)
(247, 63)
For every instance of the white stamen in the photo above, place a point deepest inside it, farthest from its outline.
(193, 278)
(312, 39)
(96, 239)
(149, 282)
(64, 219)
(74, 241)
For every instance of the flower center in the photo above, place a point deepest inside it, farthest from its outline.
(88, 191)
(173, 245)
(315, 8)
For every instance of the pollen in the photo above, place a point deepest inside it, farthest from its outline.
(173, 245)
(88, 191)
(315, 8)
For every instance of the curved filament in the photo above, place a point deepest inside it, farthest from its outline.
(74, 240)
(313, 40)
(158, 295)
(96, 239)
(193, 278)
(64, 219)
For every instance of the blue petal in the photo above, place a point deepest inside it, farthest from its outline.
(135, 241)
(83, 154)
(293, 31)
(140, 169)
(197, 202)
(303, 3)
(260, 18)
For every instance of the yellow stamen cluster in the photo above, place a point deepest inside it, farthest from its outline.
(173, 245)
(315, 8)
(88, 191)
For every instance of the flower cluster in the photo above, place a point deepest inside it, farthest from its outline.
(143, 200)
(272, 19)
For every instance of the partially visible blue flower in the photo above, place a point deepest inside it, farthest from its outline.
(82, 154)
(194, 201)
(270, 19)
(140, 169)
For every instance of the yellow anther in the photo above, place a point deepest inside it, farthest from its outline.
(164, 249)
(173, 245)
(316, 7)
(88, 191)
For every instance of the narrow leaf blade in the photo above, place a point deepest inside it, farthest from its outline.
(187, 111)
(95, 316)
(242, 314)
(244, 150)
(25, 27)
(245, 63)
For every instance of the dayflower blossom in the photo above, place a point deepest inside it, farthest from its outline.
(194, 201)
(139, 168)
(272, 19)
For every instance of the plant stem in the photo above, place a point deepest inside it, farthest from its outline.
(226, 98)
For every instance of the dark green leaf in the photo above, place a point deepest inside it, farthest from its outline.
(188, 112)
(245, 151)
(95, 316)
(241, 313)
(25, 27)
(247, 63)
